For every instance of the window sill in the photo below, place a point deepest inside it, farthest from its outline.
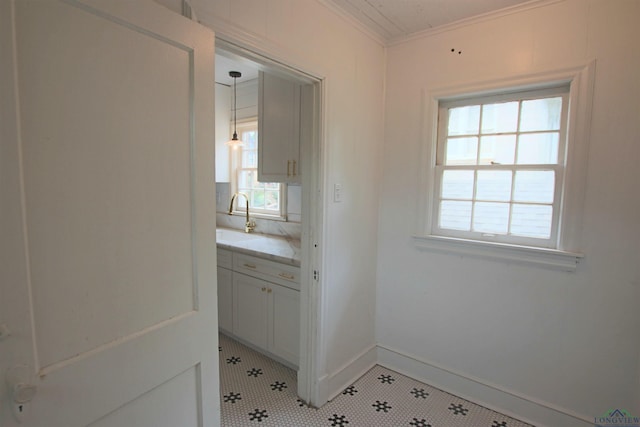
(539, 257)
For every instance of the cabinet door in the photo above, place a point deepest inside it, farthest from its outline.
(250, 309)
(225, 299)
(284, 322)
(278, 130)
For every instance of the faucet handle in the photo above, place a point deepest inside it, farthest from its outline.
(249, 226)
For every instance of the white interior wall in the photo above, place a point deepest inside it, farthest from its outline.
(223, 118)
(568, 341)
(309, 36)
(246, 107)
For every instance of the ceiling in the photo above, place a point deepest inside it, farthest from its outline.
(226, 62)
(396, 19)
(391, 20)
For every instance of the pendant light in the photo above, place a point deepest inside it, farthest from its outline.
(235, 142)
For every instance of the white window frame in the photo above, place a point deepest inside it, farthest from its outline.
(566, 254)
(239, 207)
(558, 168)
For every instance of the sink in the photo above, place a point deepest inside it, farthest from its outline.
(226, 235)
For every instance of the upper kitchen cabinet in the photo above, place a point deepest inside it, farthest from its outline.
(283, 123)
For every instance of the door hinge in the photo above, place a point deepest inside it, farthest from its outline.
(316, 275)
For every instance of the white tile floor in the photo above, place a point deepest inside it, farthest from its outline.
(256, 390)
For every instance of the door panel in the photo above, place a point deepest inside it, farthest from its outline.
(250, 309)
(177, 392)
(284, 334)
(116, 129)
(105, 205)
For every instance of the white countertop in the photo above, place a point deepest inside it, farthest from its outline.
(274, 248)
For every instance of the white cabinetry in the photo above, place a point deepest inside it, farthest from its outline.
(250, 310)
(264, 304)
(225, 291)
(278, 129)
(283, 305)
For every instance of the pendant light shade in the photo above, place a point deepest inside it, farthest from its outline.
(234, 142)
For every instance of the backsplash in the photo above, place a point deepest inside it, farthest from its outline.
(290, 229)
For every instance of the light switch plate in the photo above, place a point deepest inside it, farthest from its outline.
(337, 193)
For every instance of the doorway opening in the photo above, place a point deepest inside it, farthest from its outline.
(299, 221)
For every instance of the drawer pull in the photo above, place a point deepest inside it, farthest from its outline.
(286, 276)
(249, 265)
(269, 290)
(264, 289)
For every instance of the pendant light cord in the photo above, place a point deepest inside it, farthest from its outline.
(235, 75)
(235, 109)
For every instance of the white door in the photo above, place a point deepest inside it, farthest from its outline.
(108, 286)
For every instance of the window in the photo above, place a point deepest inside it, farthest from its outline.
(504, 168)
(500, 167)
(265, 198)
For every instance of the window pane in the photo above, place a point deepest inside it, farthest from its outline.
(272, 200)
(491, 217)
(257, 199)
(461, 151)
(541, 114)
(494, 185)
(250, 139)
(531, 221)
(534, 186)
(538, 149)
(497, 149)
(254, 179)
(457, 184)
(244, 179)
(500, 118)
(455, 215)
(249, 159)
(464, 120)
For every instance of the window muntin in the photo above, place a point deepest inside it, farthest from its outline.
(500, 167)
(265, 198)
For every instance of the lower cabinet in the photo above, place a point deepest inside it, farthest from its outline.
(283, 311)
(259, 311)
(250, 315)
(225, 299)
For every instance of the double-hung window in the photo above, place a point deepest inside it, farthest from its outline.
(265, 198)
(500, 167)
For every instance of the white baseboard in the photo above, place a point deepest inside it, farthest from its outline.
(331, 385)
(494, 397)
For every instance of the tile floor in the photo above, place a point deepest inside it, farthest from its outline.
(256, 390)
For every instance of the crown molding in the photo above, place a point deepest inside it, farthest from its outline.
(354, 22)
(530, 5)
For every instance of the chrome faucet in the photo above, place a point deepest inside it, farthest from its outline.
(249, 225)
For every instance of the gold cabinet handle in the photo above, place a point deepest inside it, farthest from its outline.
(288, 167)
(250, 265)
(294, 168)
(286, 276)
(269, 290)
(264, 289)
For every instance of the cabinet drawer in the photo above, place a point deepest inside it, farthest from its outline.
(224, 258)
(286, 275)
